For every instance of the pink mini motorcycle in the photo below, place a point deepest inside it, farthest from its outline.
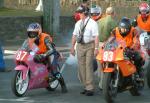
(30, 75)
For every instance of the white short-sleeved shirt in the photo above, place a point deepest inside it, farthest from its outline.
(90, 32)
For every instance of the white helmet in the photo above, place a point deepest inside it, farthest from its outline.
(33, 30)
(34, 27)
(96, 10)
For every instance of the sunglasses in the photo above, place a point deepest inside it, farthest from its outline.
(32, 34)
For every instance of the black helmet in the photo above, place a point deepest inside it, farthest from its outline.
(83, 9)
(126, 24)
(85, 0)
(33, 30)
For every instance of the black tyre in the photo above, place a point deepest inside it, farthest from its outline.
(148, 77)
(134, 91)
(54, 84)
(137, 87)
(18, 85)
(109, 91)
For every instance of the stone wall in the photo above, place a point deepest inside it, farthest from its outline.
(14, 28)
(1, 3)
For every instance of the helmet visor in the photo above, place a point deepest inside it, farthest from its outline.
(144, 12)
(32, 34)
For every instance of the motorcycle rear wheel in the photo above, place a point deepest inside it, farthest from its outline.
(134, 91)
(18, 85)
(54, 84)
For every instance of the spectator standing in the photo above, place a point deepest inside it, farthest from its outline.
(85, 3)
(106, 25)
(87, 47)
(96, 12)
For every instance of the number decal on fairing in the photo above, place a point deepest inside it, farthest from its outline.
(108, 56)
(21, 55)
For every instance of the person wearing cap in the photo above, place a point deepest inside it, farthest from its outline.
(106, 25)
(86, 35)
(85, 3)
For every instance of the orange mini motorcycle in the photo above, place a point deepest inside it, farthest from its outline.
(120, 73)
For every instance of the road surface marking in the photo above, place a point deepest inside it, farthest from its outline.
(24, 99)
(9, 52)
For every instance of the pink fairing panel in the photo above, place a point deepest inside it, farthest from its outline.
(24, 69)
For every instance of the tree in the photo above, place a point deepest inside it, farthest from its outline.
(51, 14)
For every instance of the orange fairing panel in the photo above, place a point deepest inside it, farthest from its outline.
(116, 55)
(119, 54)
(99, 56)
(126, 67)
(108, 69)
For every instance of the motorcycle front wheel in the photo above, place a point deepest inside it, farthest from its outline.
(109, 91)
(18, 85)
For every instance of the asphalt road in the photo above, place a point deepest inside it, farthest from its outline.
(74, 88)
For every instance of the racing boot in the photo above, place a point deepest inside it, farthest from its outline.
(62, 83)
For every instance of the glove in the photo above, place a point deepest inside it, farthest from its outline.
(39, 58)
(129, 53)
(134, 22)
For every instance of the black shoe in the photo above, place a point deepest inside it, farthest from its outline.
(89, 93)
(62, 83)
(64, 89)
(83, 92)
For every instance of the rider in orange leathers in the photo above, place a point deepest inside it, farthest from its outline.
(129, 34)
(46, 48)
(142, 21)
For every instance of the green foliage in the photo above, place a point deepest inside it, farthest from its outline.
(17, 12)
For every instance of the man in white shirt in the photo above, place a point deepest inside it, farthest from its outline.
(86, 29)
